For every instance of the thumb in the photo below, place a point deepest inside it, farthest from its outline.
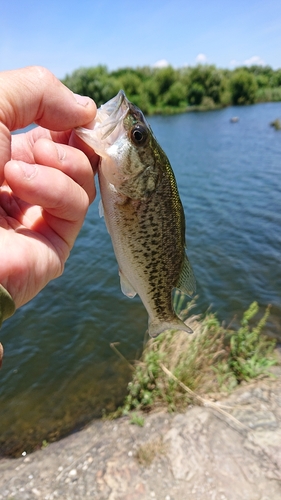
(35, 95)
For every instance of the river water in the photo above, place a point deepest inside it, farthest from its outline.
(59, 369)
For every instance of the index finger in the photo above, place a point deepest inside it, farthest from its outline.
(34, 94)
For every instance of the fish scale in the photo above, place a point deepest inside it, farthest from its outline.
(142, 210)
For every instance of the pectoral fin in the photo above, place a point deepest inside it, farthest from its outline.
(101, 214)
(126, 286)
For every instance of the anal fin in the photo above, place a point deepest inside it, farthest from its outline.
(155, 327)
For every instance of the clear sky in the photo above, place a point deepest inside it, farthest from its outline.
(64, 35)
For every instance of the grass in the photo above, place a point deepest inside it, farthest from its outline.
(214, 359)
(147, 452)
(137, 420)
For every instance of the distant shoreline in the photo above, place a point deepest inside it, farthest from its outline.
(168, 90)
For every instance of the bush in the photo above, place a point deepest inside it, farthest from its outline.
(269, 94)
(212, 359)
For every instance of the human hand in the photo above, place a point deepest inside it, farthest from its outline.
(46, 183)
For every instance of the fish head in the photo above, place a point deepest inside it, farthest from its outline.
(130, 154)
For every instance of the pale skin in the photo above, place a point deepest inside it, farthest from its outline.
(46, 178)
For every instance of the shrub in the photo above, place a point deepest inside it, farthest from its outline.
(214, 358)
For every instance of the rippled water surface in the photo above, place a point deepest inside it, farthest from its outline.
(59, 369)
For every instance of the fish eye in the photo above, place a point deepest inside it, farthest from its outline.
(139, 135)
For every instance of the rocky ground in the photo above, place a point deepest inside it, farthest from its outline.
(198, 455)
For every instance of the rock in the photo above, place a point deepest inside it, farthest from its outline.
(199, 454)
(276, 124)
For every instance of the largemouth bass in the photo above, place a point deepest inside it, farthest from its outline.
(142, 209)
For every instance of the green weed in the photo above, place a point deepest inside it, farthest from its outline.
(44, 444)
(250, 352)
(213, 359)
(137, 420)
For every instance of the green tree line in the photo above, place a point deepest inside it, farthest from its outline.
(169, 90)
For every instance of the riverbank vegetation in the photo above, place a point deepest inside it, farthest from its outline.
(177, 369)
(169, 90)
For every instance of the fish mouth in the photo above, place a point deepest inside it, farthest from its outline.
(110, 114)
(107, 125)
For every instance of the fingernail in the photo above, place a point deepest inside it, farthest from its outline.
(61, 152)
(29, 170)
(82, 99)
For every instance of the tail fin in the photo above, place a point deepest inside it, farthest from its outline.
(155, 327)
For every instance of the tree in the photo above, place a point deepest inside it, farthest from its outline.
(176, 95)
(205, 81)
(131, 84)
(195, 94)
(243, 87)
(160, 90)
(164, 78)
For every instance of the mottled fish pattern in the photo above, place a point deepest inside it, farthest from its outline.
(143, 211)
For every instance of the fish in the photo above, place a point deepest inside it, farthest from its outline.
(143, 211)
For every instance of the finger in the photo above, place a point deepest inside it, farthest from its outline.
(89, 152)
(23, 144)
(34, 94)
(64, 202)
(69, 160)
(71, 138)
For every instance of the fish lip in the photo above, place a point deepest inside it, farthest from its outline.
(116, 109)
(107, 126)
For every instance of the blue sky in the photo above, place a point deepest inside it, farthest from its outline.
(65, 35)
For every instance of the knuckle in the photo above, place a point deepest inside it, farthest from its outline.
(42, 74)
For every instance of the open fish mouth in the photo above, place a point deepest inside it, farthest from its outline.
(111, 113)
(108, 124)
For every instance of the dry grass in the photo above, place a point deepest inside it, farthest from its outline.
(147, 452)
